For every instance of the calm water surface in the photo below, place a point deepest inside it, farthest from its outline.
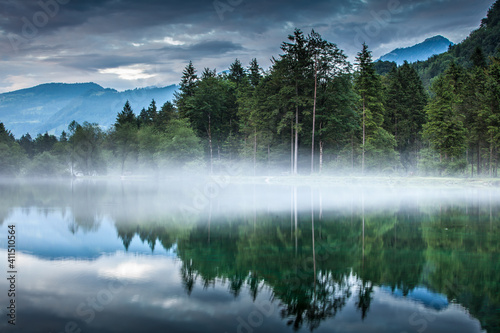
(132, 256)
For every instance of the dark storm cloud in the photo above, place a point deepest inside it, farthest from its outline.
(97, 61)
(48, 36)
(200, 50)
(193, 52)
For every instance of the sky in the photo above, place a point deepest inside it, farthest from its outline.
(124, 44)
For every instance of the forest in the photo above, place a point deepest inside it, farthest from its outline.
(311, 112)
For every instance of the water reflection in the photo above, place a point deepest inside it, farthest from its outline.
(255, 257)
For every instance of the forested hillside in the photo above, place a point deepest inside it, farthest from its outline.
(481, 44)
(51, 107)
(311, 112)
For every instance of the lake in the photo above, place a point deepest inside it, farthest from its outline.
(217, 256)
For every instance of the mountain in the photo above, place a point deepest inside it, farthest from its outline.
(422, 51)
(486, 39)
(51, 107)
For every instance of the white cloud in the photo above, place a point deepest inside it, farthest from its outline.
(135, 72)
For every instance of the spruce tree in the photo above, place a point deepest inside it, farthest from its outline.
(445, 127)
(236, 72)
(405, 101)
(126, 116)
(369, 88)
(186, 91)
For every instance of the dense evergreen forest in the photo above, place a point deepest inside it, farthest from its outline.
(311, 112)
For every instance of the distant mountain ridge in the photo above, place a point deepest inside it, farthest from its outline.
(51, 107)
(486, 38)
(419, 52)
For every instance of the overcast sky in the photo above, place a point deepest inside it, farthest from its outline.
(124, 44)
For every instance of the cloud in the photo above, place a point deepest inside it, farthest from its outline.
(42, 38)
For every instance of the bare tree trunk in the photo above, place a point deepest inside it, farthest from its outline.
(291, 148)
(472, 163)
(123, 164)
(291, 213)
(364, 138)
(312, 227)
(320, 204)
(491, 155)
(314, 110)
(295, 217)
(363, 213)
(210, 145)
(209, 219)
(296, 156)
(478, 158)
(495, 163)
(254, 150)
(320, 156)
(396, 128)
(352, 151)
(268, 157)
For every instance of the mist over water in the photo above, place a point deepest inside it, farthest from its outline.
(227, 254)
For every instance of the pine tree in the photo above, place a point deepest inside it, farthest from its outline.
(26, 142)
(493, 113)
(124, 140)
(328, 63)
(236, 72)
(5, 135)
(166, 113)
(254, 73)
(369, 88)
(445, 123)
(148, 116)
(405, 101)
(295, 66)
(186, 91)
(126, 116)
(477, 58)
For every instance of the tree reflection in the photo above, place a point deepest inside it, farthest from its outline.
(312, 260)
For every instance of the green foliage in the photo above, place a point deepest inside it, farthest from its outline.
(12, 158)
(429, 164)
(236, 72)
(5, 135)
(180, 145)
(405, 100)
(86, 147)
(380, 152)
(149, 143)
(369, 87)
(26, 142)
(486, 39)
(166, 113)
(44, 143)
(45, 165)
(445, 127)
(126, 116)
(384, 67)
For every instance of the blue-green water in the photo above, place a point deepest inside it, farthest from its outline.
(132, 256)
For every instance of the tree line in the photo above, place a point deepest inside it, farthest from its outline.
(312, 111)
